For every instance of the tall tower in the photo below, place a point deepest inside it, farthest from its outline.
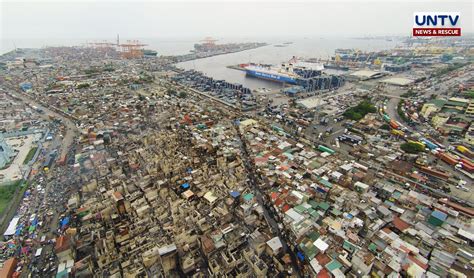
(118, 40)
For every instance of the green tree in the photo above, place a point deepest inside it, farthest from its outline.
(182, 94)
(411, 147)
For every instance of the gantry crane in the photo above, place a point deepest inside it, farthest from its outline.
(132, 49)
(209, 41)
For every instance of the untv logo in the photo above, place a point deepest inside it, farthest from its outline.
(434, 24)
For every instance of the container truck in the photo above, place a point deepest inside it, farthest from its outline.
(465, 151)
(435, 173)
(448, 158)
(326, 149)
(467, 165)
(397, 132)
(394, 124)
(429, 144)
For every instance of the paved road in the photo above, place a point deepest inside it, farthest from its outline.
(64, 145)
(71, 129)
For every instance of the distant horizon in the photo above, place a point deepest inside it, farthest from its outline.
(68, 42)
(150, 19)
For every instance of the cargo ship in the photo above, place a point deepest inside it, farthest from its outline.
(271, 73)
(149, 53)
(288, 73)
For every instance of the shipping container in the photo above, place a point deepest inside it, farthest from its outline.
(394, 124)
(467, 165)
(429, 144)
(350, 138)
(397, 132)
(435, 173)
(467, 161)
(465, 151)
(448, 158)
(326, 149)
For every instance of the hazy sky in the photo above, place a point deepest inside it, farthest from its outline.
(104, 19)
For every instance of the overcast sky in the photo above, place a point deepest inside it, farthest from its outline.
(104, 19)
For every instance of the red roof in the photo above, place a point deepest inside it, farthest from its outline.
(118, 196)
(458, 207)
(418, 262)
(8, 268)
(323, 274)
(400, 224)
(274, 196)
(322, 259)
(62, 244)
(260, 160)
(286, 207)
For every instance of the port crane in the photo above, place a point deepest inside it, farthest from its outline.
(132, 49)
(103, 45)
(209, 41)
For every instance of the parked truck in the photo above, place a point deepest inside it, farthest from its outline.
(394, 125)
(465, 151)
(435, 173)
(451, 160)
(326, 149)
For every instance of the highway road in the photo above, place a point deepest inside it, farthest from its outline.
(71, 129)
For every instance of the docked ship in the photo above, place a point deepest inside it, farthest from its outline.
(149, 53)
(286, 73)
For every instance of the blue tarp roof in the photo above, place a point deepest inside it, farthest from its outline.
(185, 185)
(440, 215)
(320, 189)
(300, 256)
(64, 221)
(234, 194)
(19, 229)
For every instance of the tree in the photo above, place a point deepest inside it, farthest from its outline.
(411, 147)
(182, 94)
(358, 112)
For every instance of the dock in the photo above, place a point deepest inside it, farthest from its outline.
(235, 67)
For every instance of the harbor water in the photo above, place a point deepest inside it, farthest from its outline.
(216, 66)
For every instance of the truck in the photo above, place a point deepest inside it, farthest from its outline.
(429, 144)
(397, 132)
(466, 165)
(303, 122)
(326, 149)
(435, 173)
(448, 158)
(465, 151)
(354, 139)
(49, 161)
(394, 124)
